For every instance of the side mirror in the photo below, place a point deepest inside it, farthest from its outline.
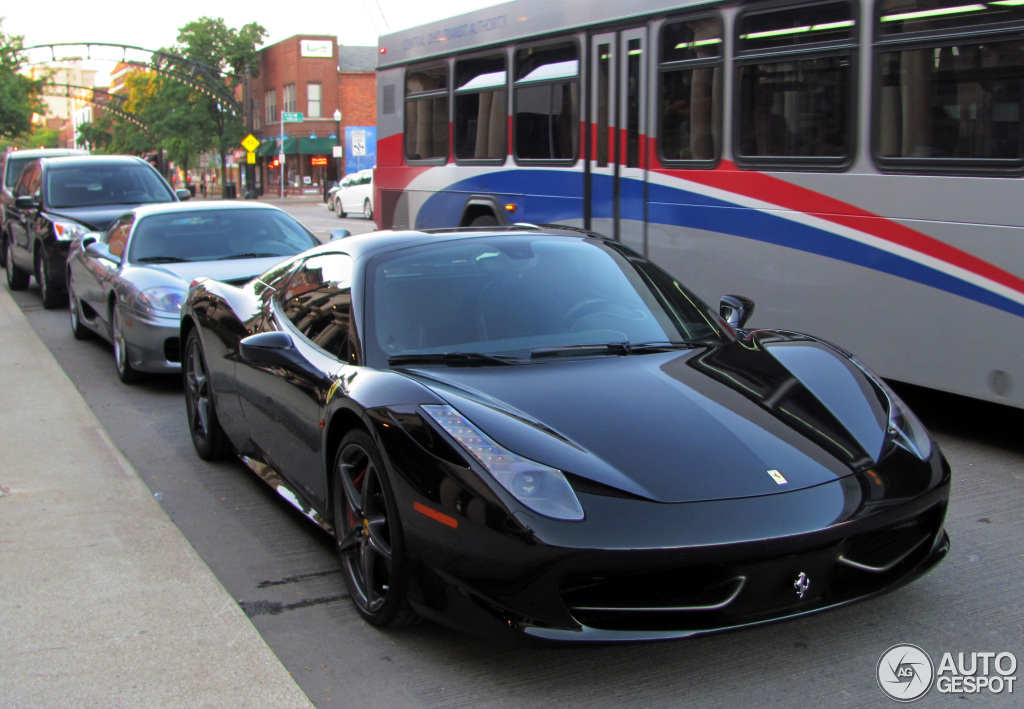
(267, 349)
(25, 202)
(101, 251)
(339, 233)
(89, 238)
(183, 195)
(736, 310)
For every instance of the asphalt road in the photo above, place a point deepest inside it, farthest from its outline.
(283, 572)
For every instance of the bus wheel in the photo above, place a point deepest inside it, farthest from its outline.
(484, 220)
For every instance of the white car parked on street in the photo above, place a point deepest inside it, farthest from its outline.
(355, 196)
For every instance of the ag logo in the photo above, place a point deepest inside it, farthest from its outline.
(905, 672)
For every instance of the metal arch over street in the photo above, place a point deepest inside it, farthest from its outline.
(98, 97)
(203, 77)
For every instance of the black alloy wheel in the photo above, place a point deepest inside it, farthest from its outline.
(17, 279)
(208, 437)
(125, 371)
(53, 296)
(78, 329)
(368, 534)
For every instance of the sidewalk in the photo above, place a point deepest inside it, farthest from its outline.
(103, 602)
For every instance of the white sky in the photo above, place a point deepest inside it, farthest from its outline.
(155, 25)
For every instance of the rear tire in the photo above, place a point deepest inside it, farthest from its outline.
(17, 279)
(80, 331)
(484, 220)
(338, 209)
(367, 209)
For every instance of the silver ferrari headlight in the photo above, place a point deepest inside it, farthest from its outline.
(541, 488)
(162, 300)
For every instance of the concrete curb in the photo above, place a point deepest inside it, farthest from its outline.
(103, 601)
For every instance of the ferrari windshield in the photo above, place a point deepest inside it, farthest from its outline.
(217, 235)
(519, 294)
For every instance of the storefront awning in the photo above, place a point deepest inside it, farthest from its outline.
(267, 148)
(316, 146)
(297, 146)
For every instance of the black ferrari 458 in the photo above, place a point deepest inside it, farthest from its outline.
(540, 431)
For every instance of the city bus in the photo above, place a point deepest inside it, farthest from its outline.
(853, 166)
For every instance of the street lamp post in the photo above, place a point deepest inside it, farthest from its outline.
(337, 133)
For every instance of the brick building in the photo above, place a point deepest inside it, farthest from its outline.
(313, 76)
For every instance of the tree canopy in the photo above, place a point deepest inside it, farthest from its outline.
(186, 118)
(19, 94)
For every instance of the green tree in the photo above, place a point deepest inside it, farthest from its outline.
(19, 95)
(233, 52)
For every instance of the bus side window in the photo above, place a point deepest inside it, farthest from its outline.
(481, 109)
(691, 90)
(948, 104)
(426, 113)
(795, 83)
(547, 102)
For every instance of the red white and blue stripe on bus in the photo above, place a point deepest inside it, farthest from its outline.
(769, 210)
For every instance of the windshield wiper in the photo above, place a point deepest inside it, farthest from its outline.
(161, 259)
(452, 359)
(612, 348)
(253, 255)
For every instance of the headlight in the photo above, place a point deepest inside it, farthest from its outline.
(162, 299)
(906, 429)
(541, 488)
(68, 231)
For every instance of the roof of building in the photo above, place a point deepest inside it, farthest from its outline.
(357, 58)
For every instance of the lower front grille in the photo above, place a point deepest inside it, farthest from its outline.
(745, 588)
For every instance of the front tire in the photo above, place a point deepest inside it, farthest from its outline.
(208, 438)
(17, 279)
(368, 534)
(125, 372)
(53, 296)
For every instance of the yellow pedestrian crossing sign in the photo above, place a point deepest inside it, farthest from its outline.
(250, 142)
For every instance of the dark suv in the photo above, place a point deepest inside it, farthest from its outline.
(57, 200)
(11, 164)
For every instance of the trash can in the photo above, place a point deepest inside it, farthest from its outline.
(230, 190)
(192, 189)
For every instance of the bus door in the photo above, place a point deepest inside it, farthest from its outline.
(617, 159)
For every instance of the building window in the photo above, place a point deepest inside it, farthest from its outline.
(426, 113)
(288, 98)
(313, 100)
(690, 83)
(270, 101)
(254, 111)
(481, 113)
(795, 84)
(547, 102)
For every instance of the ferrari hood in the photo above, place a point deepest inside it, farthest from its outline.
(760, 416)
(229, 270)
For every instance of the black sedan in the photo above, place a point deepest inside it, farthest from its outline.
(58, 200)
(540, 431)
